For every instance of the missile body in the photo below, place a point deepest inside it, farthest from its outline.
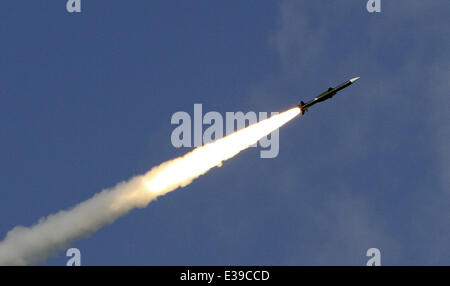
(325, 95)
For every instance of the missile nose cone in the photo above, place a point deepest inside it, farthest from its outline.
(354, 79)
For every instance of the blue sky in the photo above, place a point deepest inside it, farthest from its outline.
(87, 100)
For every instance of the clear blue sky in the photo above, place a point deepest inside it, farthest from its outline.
(86, 102)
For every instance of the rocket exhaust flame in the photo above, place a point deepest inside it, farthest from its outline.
(32, 245)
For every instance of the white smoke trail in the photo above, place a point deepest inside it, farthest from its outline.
(31, 245)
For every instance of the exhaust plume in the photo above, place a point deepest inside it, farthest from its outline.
(32, 245)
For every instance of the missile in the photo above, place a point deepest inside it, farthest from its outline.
(325, 95)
